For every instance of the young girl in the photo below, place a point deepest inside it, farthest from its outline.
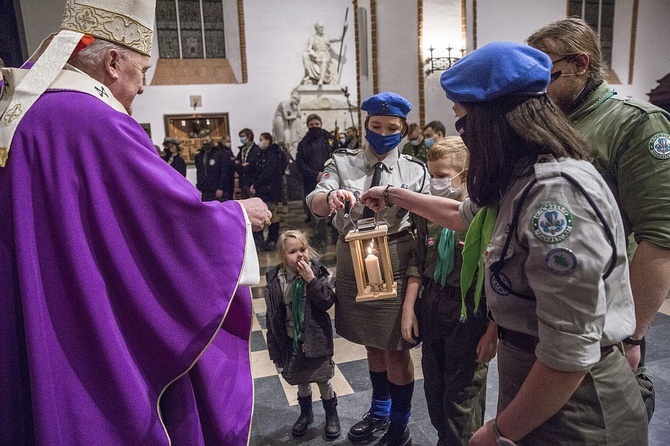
(458, 339)
(300, 334)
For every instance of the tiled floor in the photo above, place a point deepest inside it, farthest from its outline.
(276, 402)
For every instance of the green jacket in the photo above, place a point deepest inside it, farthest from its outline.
(425, 254)
(420, 151)
(630, 143)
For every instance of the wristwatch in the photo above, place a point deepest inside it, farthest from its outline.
(500, 440)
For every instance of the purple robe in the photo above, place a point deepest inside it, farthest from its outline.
(114, 281)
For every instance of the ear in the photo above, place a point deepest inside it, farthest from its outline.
(112, 58)
(582, 63)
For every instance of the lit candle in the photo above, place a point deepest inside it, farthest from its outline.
(373, 269)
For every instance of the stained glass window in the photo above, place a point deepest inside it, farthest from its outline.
(190, 29)
(599, 14)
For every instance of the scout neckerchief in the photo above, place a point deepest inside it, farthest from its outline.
(476, 240)
(297, 310)
(445, 262)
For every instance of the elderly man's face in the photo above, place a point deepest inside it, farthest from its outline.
(130, 69)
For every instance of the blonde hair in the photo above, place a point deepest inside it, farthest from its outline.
(453, 148)
(300, 237)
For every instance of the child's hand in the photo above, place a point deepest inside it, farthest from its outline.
(409, 326)
(488, 344)
(305, 271)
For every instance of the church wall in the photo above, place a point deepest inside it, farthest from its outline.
(277, 34)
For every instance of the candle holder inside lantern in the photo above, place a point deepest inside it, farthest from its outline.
(372, 262)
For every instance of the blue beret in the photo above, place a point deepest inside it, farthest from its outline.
(495, 70)
(387, 104)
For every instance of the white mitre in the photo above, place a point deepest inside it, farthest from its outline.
(125, 22)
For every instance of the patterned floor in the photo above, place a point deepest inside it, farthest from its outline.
(276, 406)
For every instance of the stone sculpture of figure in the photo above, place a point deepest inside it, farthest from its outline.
(287, 125)
(319, 64)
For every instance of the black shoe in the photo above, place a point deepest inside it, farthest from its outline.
(363, 430)
(396, 436)
(332, 429)
(306, 416)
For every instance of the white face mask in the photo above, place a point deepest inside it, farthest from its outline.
(263, 144)
(441, 187)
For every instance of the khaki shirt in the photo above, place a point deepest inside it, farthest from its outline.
(558, 255)
(353, 170)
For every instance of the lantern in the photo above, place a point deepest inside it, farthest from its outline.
(372, 263)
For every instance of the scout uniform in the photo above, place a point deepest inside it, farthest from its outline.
(631, 143)
(556, 274)
(376, 323)
(373, 323)
(454, 383)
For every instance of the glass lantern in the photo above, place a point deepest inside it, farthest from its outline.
(372, 263)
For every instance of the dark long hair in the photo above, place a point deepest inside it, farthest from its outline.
(503, 134)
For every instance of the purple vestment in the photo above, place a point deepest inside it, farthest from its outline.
(114, 279)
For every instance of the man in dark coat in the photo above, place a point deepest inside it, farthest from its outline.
(313, 151)
(210, 168)
(228, 168)
(246, 163)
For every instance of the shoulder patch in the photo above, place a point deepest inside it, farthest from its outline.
(561, 261)
(659, 146)
(552, 223)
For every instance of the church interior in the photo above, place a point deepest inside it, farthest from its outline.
(219, 66)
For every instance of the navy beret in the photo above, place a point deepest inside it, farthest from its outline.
(387, 104)
(495, 70)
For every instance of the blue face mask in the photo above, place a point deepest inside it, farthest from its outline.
(243, 140)
(383, 144)
(429, 142)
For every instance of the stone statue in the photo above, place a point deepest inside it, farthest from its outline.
(318, 61)
(288, 125)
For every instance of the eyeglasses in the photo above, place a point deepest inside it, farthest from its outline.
(555, 75)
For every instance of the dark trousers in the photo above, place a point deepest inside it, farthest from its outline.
(454, 383)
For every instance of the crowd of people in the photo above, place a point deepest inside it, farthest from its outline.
(509, 239)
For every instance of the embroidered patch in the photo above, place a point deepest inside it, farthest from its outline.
(326, 176)
(430, 241)
(552, 223)
(561, 261)
(495, 284)
(659, 146)
(211, 162)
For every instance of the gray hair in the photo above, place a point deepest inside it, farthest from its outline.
(91, 58)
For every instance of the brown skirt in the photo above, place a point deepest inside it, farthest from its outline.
(605, 410)
(373, 323)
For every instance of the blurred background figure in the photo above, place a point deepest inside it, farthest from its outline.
(415, 145)
(172, 154)
(268, 186)
(209, 165)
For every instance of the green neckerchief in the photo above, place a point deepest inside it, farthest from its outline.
(476, 240)
(445, 263)
(297, 310)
